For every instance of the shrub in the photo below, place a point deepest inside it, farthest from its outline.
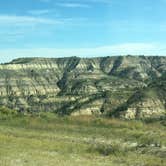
(105, 149)
(6, 112)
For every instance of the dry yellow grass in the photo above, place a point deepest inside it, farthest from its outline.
(78, 141)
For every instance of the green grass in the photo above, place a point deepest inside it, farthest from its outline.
(49, 140)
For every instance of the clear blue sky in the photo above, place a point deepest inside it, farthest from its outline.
(55, 28)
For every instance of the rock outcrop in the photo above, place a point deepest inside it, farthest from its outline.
(83, 85)
(149, 102)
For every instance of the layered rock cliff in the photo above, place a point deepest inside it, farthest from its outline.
(147, 102)
(83, 85)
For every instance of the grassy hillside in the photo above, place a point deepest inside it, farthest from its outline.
(45, 139)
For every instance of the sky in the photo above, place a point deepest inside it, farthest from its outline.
(85, 28)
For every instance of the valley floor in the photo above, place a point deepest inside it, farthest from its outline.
(81, 141)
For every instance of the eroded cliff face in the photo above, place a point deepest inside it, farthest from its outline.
(79, 85)
(149, 102)
(145, 109)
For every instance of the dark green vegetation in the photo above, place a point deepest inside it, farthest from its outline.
(128, 87)
(45, 139)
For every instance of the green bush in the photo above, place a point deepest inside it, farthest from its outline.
(7, 112)
(105, 149)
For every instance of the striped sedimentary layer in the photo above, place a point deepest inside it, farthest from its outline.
(76, 85)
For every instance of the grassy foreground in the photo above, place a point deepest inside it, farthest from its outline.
(49, 140)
